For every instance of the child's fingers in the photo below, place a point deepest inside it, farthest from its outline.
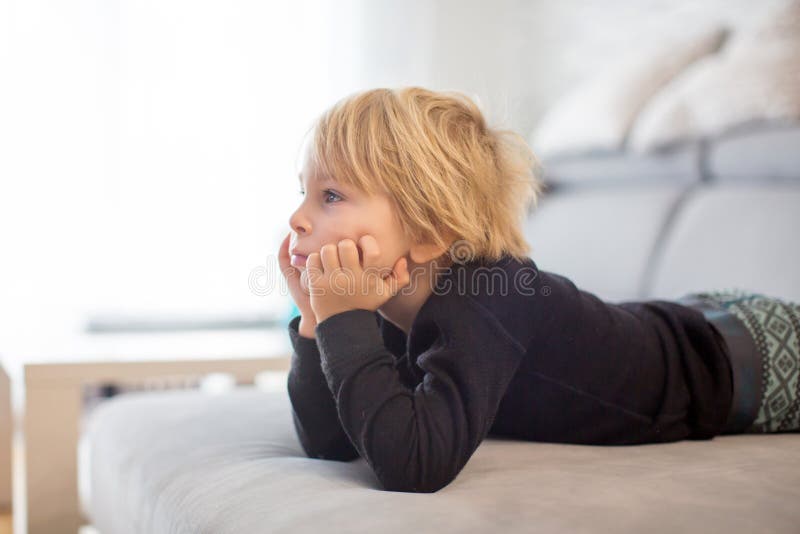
(400, 277)
(348, 255)
(304, 283)
(284, 261)
(313, 267)
(371, 250)
(284, 248)
(330, 257)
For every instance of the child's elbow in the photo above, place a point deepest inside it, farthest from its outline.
(336, 451)
(336, 456)
(412, 485)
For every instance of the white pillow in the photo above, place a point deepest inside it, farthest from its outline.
(756, 79)
(597, 116)
(779, 23)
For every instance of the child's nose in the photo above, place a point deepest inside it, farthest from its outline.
(299, 223)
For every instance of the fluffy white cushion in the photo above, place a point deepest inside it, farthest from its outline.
(755, 79)
(597, 115)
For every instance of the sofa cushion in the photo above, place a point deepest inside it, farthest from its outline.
(601, 239)
(762, 153)
(678, 166)
(597, 114)
(733, 235)
(189, 462)
(753, 79)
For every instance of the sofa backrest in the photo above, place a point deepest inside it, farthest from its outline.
(634, 232)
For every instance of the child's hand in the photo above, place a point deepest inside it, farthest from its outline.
(297, 288)
(338, 281)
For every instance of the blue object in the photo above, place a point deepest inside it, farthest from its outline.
(294, 311)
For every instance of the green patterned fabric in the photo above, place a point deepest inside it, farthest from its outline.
(775, 327)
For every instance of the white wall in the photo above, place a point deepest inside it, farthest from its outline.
(518, 56)
(148, 150)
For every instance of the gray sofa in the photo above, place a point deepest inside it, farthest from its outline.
(717, 214)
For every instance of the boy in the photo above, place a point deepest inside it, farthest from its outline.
(424, 325)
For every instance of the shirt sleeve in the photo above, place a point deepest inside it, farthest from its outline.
(313, 408)
(417, 439)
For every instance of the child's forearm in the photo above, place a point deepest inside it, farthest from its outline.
(307, 326)
(313, 408)
(416, 434)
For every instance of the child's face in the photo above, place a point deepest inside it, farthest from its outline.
(331, 211)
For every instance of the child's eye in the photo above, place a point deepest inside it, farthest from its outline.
(328, 193)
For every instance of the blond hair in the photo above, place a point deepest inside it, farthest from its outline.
(453, 181)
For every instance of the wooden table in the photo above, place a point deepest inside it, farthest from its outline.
(43, 383)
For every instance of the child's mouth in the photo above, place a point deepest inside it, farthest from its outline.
(298, 260)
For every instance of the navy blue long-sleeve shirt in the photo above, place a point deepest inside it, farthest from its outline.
(509, 350)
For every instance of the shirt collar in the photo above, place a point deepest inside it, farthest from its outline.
(424, 329)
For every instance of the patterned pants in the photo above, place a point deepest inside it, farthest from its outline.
(774, 325)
